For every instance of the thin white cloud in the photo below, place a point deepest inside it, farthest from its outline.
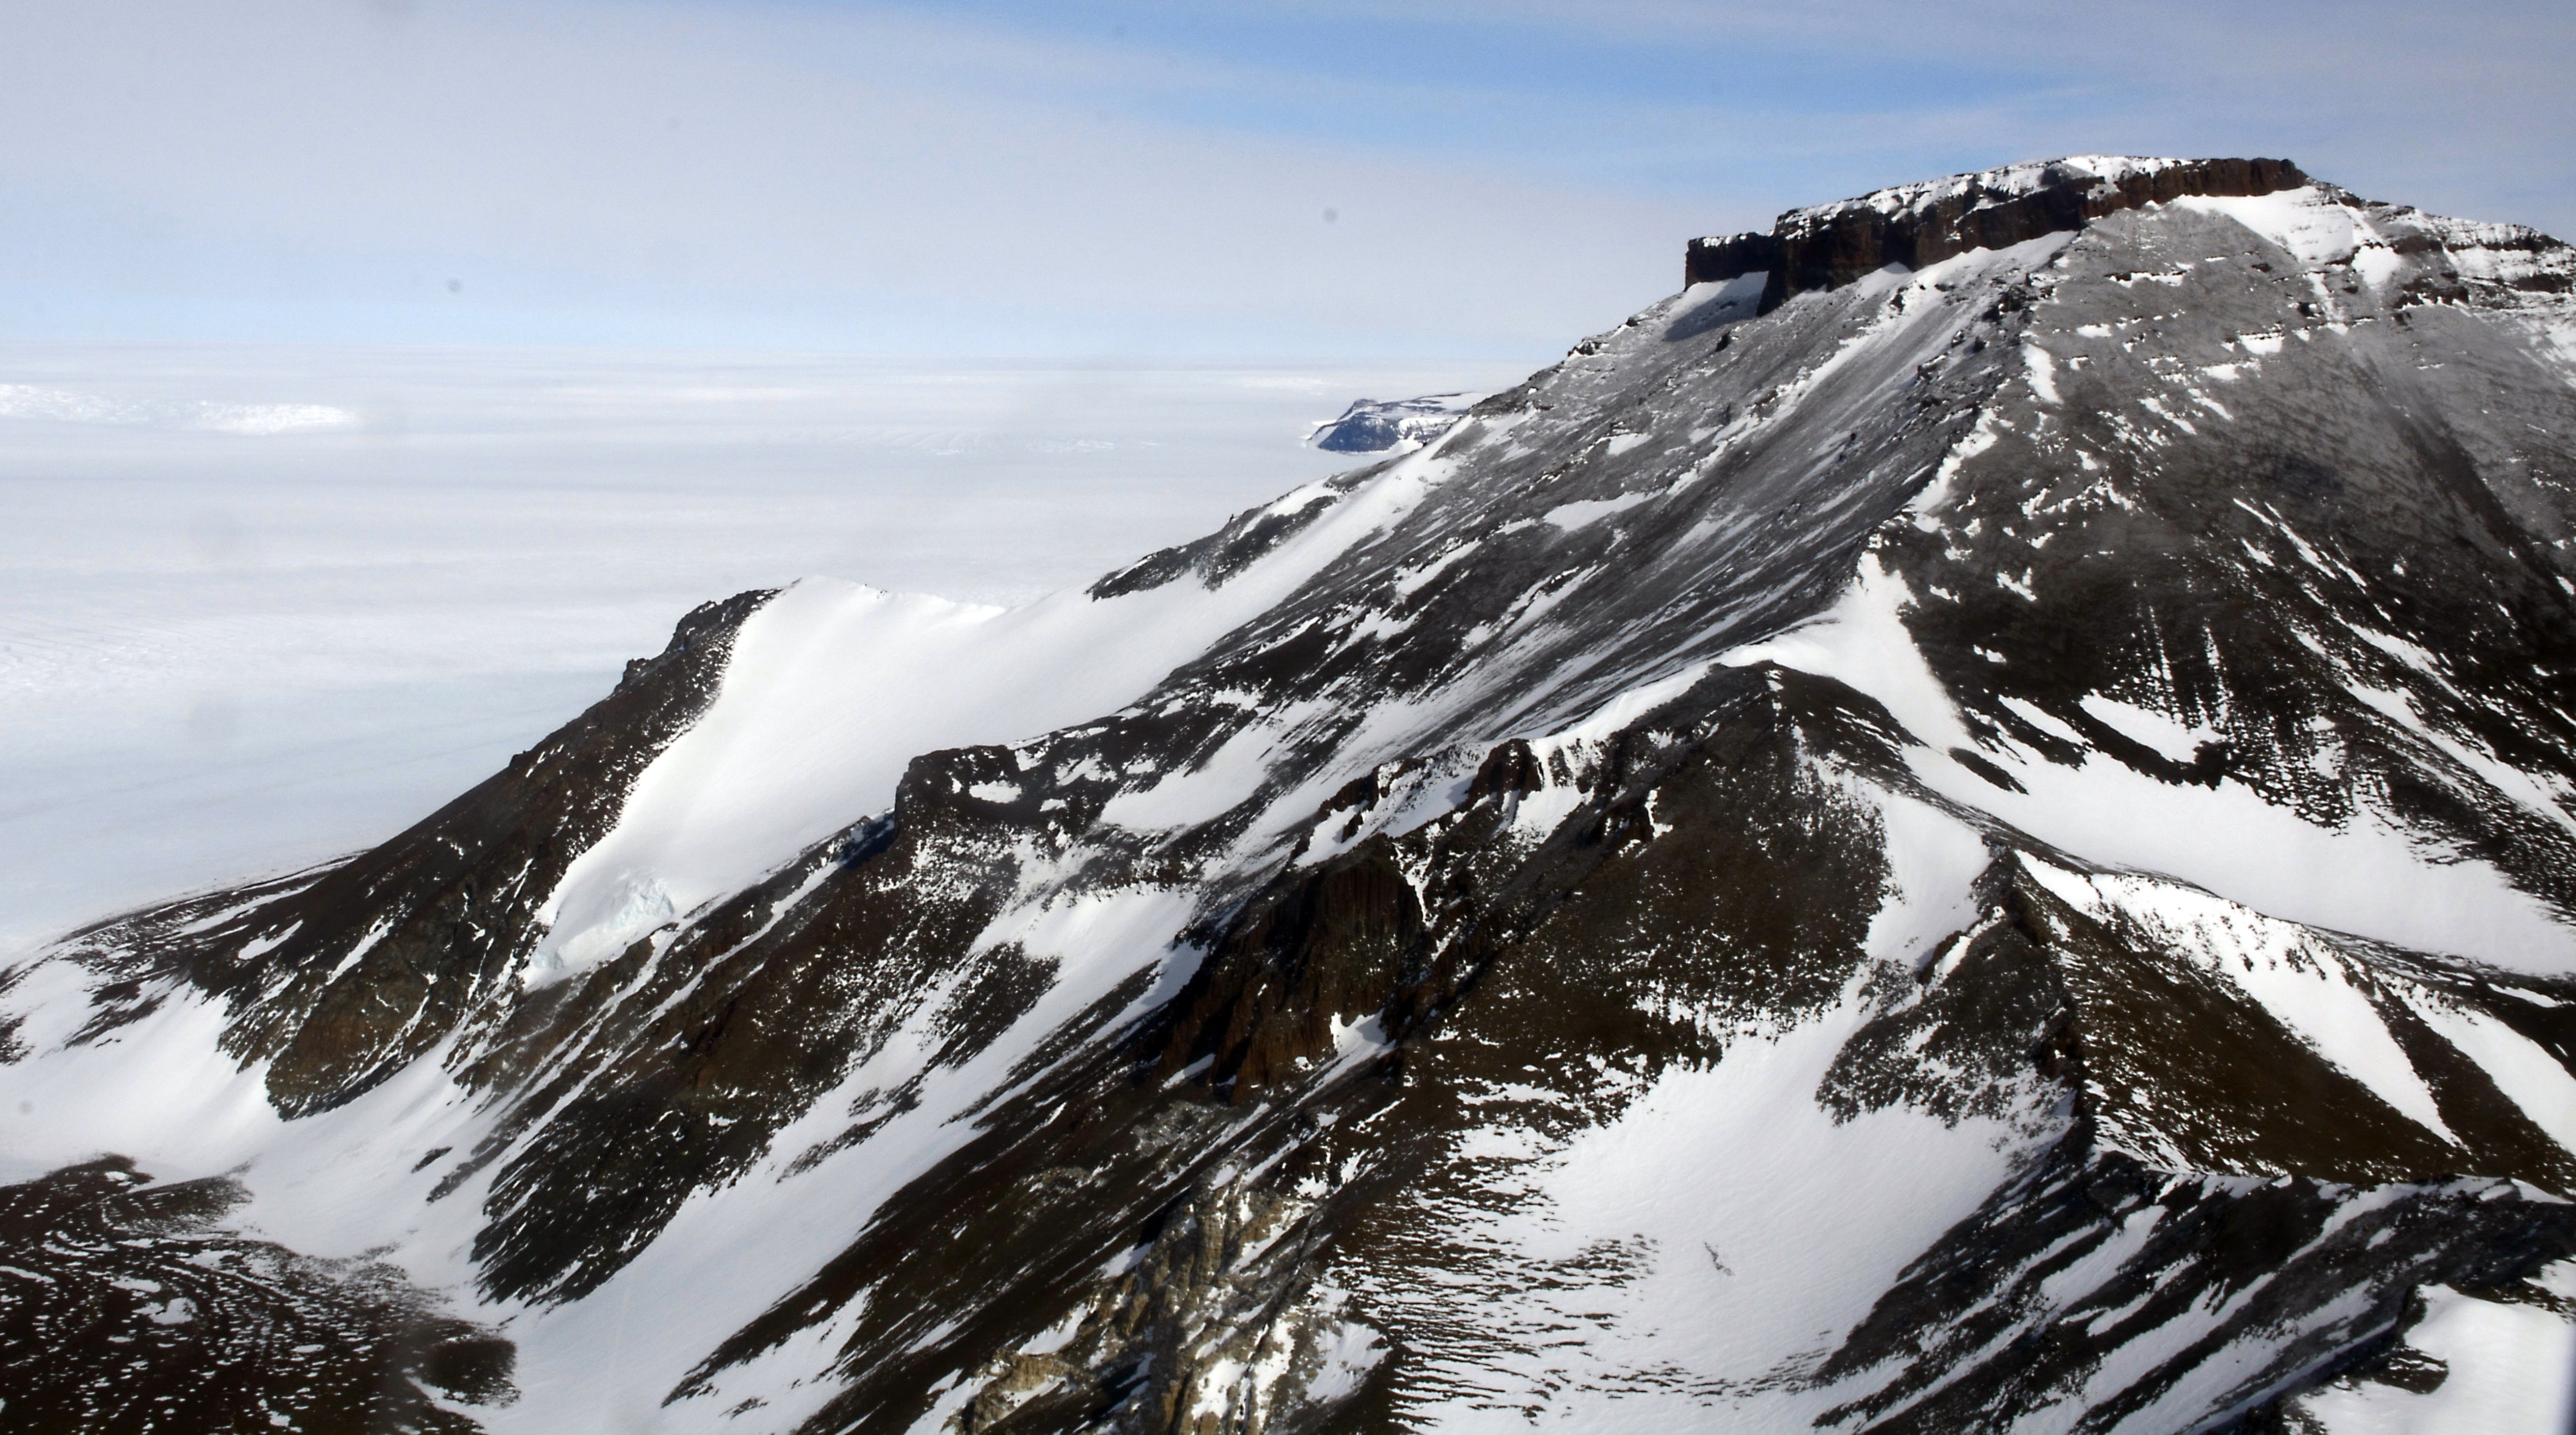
(35, 401)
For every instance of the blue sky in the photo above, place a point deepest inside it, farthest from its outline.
(1133, 179)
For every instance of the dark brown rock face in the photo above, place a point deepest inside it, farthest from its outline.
(354, 969)
(128, 1307)
(1831, 245)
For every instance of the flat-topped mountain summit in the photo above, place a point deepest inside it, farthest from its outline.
(1828, 245)
(1968, 824)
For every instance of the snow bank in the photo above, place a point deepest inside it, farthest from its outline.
(2510, 1370)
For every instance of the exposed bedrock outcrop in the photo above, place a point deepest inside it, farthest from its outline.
(1831, 245)
(128, 1307)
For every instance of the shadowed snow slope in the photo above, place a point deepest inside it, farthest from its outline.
(1988, 845)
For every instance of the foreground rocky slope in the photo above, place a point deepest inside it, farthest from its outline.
(1977, 846)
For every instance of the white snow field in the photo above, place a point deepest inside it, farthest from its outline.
(2508, 1369)
(264, 604)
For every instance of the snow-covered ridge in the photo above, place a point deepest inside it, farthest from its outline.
(2097, 176)
(2322, 226)
(1377, 425)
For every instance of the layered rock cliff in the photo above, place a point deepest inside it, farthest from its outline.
(1913, 225)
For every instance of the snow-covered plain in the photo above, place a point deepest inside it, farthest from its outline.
(260, 605)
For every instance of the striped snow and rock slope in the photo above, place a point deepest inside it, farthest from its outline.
(1985, 846)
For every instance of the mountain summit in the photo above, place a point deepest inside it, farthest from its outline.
(1968, 825)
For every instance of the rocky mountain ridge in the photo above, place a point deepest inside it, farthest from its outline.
(1376, 425)
(1982, 845)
